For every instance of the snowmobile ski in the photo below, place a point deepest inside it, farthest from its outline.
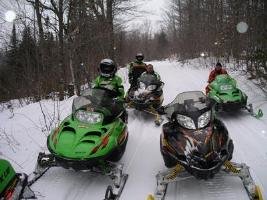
(113, 170)
(114, 192)
(257, 115)
(231, 169)
(242, 171)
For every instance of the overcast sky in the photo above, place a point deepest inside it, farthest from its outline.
(152, 11)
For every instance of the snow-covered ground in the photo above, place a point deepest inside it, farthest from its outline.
(23, 134)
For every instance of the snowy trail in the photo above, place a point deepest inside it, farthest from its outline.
(142, 159)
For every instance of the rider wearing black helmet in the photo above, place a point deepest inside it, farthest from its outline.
(107, 78)
(136, 69)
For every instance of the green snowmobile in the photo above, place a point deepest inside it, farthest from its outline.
(92, 138)
(227, 97)
(13, 185)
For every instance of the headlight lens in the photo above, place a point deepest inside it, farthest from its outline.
(186, 122)
(204, 119)
(89, 117)
(226, 87)
(151, 87)
(142, 86)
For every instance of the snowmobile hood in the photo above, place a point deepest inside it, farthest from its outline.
(223, 84)
(202, 152)
(7, 174)
(76, 140)
(149, 79)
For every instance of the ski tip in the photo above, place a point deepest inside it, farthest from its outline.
(150, 197)
(259, 114)
(258, 194)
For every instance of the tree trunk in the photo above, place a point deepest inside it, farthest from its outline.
(109, 20)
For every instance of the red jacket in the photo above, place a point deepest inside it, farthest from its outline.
(214, 73)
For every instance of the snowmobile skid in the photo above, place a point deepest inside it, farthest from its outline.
(257, 114)
(112, 170)
(178, 173)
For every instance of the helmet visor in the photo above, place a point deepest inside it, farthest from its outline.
(107, 69)
(139, 58)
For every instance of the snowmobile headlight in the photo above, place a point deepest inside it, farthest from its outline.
(204, 119)
(185, 121)
(89, 117)
(142, 86)
(226, 87)
(151, 87)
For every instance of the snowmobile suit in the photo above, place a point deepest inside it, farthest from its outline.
(212, 77)
(135, 71)
(112, 83)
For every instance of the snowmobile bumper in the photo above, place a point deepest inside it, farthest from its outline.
(140, 105)
(232, 106)
(199, 173)
(145, 103)
(205, 173)
(78, 165)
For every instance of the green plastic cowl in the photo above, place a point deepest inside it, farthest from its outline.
(7, 174)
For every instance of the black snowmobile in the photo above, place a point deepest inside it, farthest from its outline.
(195, 143)
(147, 96)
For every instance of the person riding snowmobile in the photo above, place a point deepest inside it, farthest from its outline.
(108, 80)
(215, 72)
(136, 69)
(150, 70)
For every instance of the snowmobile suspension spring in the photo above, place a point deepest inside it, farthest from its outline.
(231, 167)
(177, 169)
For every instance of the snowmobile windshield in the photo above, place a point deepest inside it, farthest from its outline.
(149, 79)
(223, 82)
(190, 109)
(93, 98)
